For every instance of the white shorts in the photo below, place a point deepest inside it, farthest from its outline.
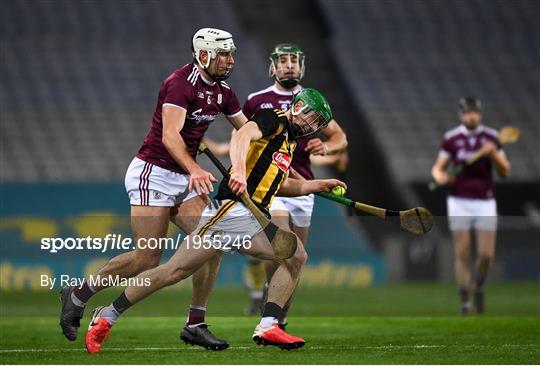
(231, 222)
(466, 214)
(300, 208)
(150, 185)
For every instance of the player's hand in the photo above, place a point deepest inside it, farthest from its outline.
(316, 147)
(201, 180)
(442, 178)
(489, 149)
(237, 183)
(325, 185)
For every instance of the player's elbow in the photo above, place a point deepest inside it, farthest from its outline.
(504, 171)
(168, 139)
(343, 143)
(434, 171)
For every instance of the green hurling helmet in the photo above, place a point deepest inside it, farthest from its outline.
(316, 113)
(287, 82)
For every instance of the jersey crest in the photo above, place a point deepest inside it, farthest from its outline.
(282, 160)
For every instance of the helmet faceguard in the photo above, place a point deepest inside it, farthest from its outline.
(215, 42)
(283, 60)
(310, 113)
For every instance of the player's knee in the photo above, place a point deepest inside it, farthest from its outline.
(486, 259)
(463, 256)
(300, 256)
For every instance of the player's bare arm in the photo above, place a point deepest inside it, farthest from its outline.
(295, 175)
(239, 147)
(295, 187)
(173, 122)
(502, 165)
(238, 120)
(218, 148)
(438, 171)
(336, 141)
(324, 160)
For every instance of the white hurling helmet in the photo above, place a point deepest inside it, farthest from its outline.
(213, 41)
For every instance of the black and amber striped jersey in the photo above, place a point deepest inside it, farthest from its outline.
(267, 161)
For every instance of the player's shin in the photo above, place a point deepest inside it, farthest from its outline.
(285, 279)
(204, 280)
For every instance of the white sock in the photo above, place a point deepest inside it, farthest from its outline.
(90, 286)
(110, 314)
(267, 321)
(256, 295)
(76, 300)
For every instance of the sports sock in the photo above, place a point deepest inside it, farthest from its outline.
(83, 293)
(481, 275)
(110, 314)
(113, 311)
(256, 295)
(283, 317)
(272, 312)
(464, 294)
(196, 315)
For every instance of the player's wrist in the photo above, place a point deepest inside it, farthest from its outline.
(193, 167)
(326, 149)
(239, 170)
(309, 187)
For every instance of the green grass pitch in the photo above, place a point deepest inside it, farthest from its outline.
(412, 324)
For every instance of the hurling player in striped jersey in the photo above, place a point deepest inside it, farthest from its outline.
(261, 154)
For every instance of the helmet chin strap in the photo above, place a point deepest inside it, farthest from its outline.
(288, 83)
(214, 78)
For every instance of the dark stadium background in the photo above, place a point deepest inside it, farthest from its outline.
(80, 81)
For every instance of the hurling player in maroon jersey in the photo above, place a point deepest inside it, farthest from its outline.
(471, 201)
(165, 183)
(287, 66)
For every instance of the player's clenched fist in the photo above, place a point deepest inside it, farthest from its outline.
(316, 147)
(201, 180)
(324, 185)
(441, 177)
(489, 149)
(237, 183)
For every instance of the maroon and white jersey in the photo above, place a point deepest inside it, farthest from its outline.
(476, 180)
(202, 99)
(273, 98)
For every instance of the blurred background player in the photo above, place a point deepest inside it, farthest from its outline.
(471, 200)
(165, 183)
(287, 67)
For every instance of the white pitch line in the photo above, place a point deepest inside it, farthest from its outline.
(388, 347)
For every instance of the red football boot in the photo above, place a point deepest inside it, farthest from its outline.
(98, 331)
(275, 336)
